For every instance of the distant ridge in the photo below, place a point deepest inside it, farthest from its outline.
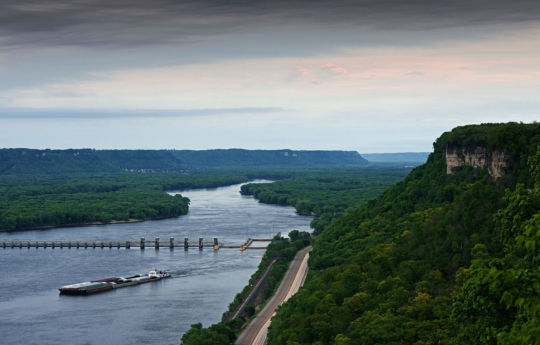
(397, 157)
(32, 161)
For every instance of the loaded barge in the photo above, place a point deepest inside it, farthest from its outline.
(101, 285)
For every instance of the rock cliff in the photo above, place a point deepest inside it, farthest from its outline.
(496, 161)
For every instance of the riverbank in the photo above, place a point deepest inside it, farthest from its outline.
(255, 296)
(36, 202)
(256, 331)
(46, 227)
(203, 283)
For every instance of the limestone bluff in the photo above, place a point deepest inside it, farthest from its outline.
(499, 148)
(496, 161)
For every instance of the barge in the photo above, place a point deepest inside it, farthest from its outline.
(101, 285)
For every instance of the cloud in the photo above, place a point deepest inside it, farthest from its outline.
(503, 68)
(303, 71)
(108, 23)
(28, 113)
(197, 63)
(54, 41)
(142, 22)
(335, 69)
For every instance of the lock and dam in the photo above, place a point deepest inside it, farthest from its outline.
(142, 243)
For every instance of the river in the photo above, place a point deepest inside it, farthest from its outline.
(203, 283)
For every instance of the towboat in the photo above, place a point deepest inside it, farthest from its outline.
(105, 284)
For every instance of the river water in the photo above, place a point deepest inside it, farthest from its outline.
(203, 283)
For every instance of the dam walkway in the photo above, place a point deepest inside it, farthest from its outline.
(142, 243)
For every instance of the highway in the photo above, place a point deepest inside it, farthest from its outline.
(255, 332)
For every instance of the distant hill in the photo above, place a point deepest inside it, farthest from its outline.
(30, 161)
(398, 157)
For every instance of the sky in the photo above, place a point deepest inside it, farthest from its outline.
(365, 75)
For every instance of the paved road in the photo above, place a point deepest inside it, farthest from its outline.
(255, 332)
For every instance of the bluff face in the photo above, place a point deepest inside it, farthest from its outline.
(499, 148)
(496, 161)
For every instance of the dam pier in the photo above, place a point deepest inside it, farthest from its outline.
(141, 243)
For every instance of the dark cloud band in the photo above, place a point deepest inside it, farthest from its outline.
(142, 22)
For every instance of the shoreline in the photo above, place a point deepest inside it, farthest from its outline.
(131, 220)
(73, 225)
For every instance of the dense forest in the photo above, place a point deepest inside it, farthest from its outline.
(29, 161)
(437, 259)
(45, 201)
(41, 201)
(47, 188)
(327, 193)
(277, 257)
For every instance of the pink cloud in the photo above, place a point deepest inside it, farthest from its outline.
(303, 71)
(334, 68)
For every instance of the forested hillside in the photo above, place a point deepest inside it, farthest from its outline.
(326, 194)
(440, 258)
(28, 161)
(35, 201)
(276, 260)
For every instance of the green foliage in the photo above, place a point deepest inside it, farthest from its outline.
(500, 303)
(47, 188)
(512, 137)
(282, 251)
(436, 259)
(44, 162)
(217, 334)
(516, 140)
(47, 201)
(327, 193)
